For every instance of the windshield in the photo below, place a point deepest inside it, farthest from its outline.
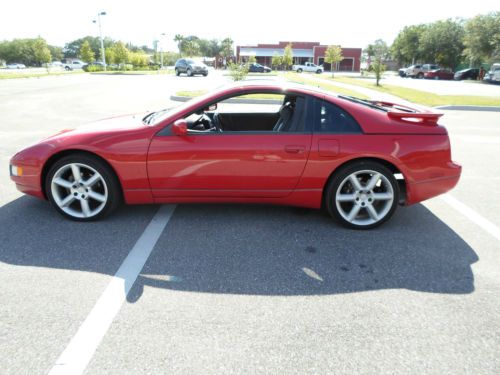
(155, 118)
(190, 61)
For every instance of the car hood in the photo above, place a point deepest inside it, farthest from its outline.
(107, 125)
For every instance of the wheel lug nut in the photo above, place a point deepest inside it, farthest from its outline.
(75, 194)
(87, 190)
(83, 196)
(363, 203)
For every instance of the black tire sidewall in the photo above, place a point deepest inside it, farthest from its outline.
(341, 174)
(113, 185)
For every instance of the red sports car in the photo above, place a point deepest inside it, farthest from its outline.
(356, 158)
(439, 74)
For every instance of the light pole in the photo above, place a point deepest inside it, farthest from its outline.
(161, 50)
(103, 52)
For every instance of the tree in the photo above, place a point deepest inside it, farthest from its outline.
(41, 52)
(121, 53)
(442, 42)
(482, 38)
(138, 58)
(277, 60)
(191, 48)
(333, 55)
(179, 39)
(369, 51)
(406, 47)
(56, 52)
(287, 59)
(110, 56)
(227, 48)
(86, 52)
(215, 48)
(380, 54)
(252, 59)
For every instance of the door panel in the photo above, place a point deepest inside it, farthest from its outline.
(235, 165)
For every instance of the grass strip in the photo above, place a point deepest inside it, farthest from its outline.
(421, 97)
(303, 79)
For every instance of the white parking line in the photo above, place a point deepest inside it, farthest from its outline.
(473, 216)
(78, 353)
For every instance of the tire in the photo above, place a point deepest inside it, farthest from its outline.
(358, 205)
(436, 78)
(299, 70)
(82, 187)
(318, 71)
(177, 73)
(205, 74)
(189, 72)
(67, 68)
(420, 75)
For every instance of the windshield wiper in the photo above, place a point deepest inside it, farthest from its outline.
(148, 117)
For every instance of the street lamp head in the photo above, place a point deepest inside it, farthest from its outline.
(94, 21)
(102, 13)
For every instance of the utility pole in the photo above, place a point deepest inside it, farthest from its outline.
(103, 52)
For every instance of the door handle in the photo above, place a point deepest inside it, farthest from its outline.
(294, 149)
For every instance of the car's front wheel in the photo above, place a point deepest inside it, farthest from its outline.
(299, 70)
(189, 72)
(362, 195)
(82, 187)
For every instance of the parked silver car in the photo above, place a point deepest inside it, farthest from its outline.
(418, 70)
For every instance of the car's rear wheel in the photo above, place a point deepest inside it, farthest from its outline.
(362, 195)
(82, 187)
(177, 73)
(420, 75)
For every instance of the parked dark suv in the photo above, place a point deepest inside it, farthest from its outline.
(190, 67)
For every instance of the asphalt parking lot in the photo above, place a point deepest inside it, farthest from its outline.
(243, 288)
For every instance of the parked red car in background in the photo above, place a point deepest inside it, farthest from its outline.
(439, 74)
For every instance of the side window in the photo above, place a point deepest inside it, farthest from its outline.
(330, 118)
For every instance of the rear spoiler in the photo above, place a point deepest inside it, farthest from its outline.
(404, 113)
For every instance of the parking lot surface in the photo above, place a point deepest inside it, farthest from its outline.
(246, 288)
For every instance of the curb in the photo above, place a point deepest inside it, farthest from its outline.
(469, 108)
(235, 100)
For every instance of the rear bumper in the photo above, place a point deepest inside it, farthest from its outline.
(422, 190)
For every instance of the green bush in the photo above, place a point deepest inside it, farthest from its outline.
(94, 68)
(238, 72)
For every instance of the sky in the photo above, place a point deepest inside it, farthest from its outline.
(348, 23)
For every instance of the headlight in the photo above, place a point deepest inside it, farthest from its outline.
(16, 170)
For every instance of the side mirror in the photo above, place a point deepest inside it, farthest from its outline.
(179, 127)
(210, 108)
